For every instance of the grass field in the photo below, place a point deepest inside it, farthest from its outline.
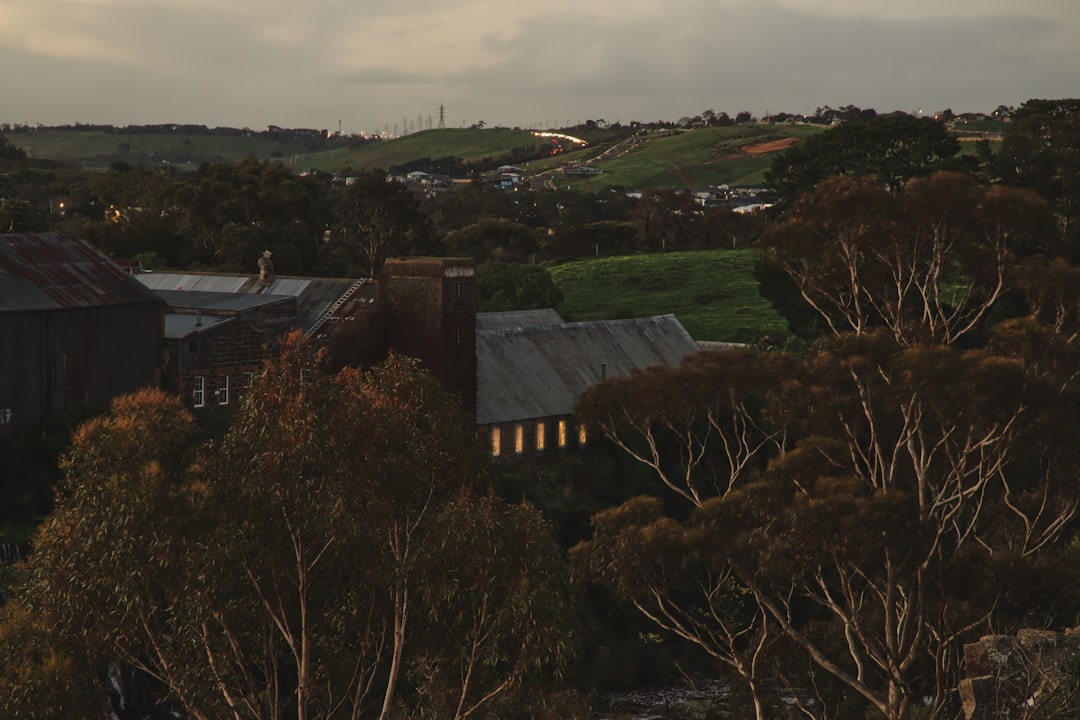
(736, 155)
(713, 293)
(469, 145)
(85, 147)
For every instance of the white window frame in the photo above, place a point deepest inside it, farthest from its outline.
(198, 391)
(249, 379)
(223, 389)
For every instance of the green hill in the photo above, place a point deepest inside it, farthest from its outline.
(684, 159)
(736, 155)
(96, 149)
(470, 145)
(712, 292)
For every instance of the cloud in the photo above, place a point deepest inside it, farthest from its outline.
(252, 62)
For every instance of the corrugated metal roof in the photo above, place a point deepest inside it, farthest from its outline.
(230, 302)
(539, 372)
(180, 325)
(314, 296)
(54, 271)
(512, 319)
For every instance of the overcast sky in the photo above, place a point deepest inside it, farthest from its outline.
(372, 63)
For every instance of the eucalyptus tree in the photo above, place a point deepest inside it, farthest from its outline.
(861, 504)
(334, 555)
(928, 263)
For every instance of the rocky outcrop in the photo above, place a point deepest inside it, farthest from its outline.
(1031, 675)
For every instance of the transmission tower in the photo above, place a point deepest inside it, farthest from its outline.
(442, 117)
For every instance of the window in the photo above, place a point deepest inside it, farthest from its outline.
(496, 442)
(539, 436)
(581, 438)
(198, 391)
(249, 380)
(519, 438)
(562, 433)
(223, 389)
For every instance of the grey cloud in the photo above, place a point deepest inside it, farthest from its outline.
(764, 57)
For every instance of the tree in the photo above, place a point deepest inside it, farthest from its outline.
(893, 149)
(1041, 152)
(928, 263)
(665, 220)
(298, 565)
(376, 218)
(877, 502)
(510, 286)
(498, 240)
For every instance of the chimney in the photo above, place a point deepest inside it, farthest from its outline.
(266, 267)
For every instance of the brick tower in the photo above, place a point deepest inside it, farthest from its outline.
(430, 310)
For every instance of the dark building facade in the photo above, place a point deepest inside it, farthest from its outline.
(210, 363)
(75, 328)
(420, 307)
(429, 306)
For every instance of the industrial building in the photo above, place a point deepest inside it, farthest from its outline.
(75, 329)
(532, 366)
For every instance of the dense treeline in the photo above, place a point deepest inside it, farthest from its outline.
(825, 525)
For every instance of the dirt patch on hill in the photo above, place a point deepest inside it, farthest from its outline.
(762, 148)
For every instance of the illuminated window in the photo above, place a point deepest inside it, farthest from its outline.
(519, 438)
(223, 389)
(539, 436)
(198, 391)
(581, 438)
(496, 442)
(249, 380)
(562, 433)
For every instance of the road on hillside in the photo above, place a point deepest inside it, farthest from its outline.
(547, 179)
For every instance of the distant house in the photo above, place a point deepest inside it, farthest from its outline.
(75, 328)
(532, 367)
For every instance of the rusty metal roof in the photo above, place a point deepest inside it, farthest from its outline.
(56, 271)
(539, 372)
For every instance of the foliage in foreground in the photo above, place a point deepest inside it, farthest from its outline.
(333, 556)
(839, 524)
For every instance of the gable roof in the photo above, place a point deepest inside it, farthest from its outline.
(52, 271)
(538, 372)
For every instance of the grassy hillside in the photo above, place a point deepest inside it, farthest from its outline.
(468, 144)
(712, 292)
(95, 149)
(736, 155)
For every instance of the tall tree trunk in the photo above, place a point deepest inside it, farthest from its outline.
(401, 611)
